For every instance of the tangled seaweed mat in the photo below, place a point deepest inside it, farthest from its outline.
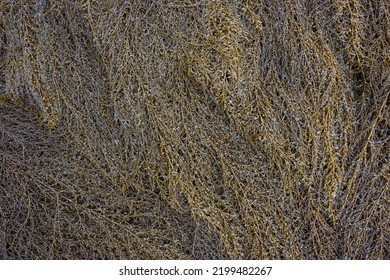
(214, 129)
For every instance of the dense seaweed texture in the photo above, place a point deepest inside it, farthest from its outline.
(211, 129)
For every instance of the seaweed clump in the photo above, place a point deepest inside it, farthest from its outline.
(215, 129)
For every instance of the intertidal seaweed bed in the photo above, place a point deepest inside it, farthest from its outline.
(178, 129)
